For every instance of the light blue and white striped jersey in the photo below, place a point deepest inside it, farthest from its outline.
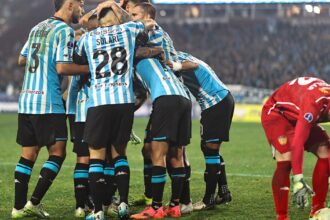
(76, 103)
(158, 79)
(50, 42)
(203, 83)
(160, 38)
(110, 53)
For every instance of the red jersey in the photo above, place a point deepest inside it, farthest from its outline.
(304, 102)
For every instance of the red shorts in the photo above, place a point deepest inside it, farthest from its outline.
(280, 133)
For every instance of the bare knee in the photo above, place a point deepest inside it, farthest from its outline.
(58, 149)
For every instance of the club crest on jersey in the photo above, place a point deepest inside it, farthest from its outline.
(70, 45)
(323, 90)
(308, 117)
(282, 140)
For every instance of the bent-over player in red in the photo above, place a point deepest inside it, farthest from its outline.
(290, 118)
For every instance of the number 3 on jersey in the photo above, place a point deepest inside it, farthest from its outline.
(118, 65)
(34, 63)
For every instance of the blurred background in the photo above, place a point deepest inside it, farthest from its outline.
(253, 45)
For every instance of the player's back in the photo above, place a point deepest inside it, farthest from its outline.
(41, 91)
(110, 53)
(203, 83)
(293, 95)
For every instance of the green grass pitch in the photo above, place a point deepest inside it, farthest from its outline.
(248, 160)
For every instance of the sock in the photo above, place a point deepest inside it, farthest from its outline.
(158, 181)
(80, 179)
(22, 177)
(185, 194)
(111, 186)
(122, 174)
(97, 183)
(177, 177)
(147, 172)
(222, 180)
(281, 187)
(48, 173)
(211, 174)
(320, 184)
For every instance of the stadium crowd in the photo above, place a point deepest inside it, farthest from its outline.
(251, 53)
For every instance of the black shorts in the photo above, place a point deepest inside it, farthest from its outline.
(108, 125)
(170, 121)
(71, 126)
(41, 130)
(79, 146)
(216, 121)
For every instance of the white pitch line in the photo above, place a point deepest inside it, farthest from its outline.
(139, 170)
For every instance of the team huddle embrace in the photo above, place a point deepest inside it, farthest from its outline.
(116, 60)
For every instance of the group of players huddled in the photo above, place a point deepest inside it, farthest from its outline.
(117, 59)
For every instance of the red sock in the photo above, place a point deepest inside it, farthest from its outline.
(320, 184)
(281, 187)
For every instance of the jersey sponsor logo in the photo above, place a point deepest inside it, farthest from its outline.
(283, 140)
(32, 92)
(308, 117)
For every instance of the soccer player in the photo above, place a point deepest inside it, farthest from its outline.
(159, 38)
(41, 114)
(290, 118)
(217, 106)
(109, 50)
(167, 132)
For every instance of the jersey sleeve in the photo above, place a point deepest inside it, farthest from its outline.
(135, 27)
(65, 47)
(308, 116)
(25, 49)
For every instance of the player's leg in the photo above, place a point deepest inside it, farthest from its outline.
(80, 176)
(110, 203)
(279, 133)
(123, 122)
(52, 132)
(26, 138)
(185, 200)
(177, 174)
(212, 171)
(318, 144)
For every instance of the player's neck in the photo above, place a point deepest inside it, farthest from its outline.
(63, 16)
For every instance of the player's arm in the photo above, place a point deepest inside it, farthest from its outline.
(181, 66)
(85, 18)
(148, 52)
(21, 60)
(23, 54)
(71, 69)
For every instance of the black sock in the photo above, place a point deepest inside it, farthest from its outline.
(177, 177)
(222, 180)
(212, 171)
(22, 177)
(80, 179)
(111, 186)
(48, 173)
(158, 181)
(122, 174)
(97, 183)
(147, 172)
(185, 195)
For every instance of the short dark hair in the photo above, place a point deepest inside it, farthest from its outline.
(139, 1)
(58, 4)
(148, 8)
(104, 12)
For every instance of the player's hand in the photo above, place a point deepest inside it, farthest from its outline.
(135, 139)
(101, 6)
(169, 64)
(301, 191)
(149, 24)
